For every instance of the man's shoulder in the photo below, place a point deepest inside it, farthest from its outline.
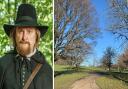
(6, 59)
(47, 69)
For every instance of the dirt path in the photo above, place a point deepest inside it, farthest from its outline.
(86, 83)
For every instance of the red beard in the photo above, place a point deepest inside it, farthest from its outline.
(23, 48)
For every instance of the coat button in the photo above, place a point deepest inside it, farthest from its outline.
(23, 84)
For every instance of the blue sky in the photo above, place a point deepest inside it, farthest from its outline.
(106, 39)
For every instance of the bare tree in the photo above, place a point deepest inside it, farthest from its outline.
(123, 60)
(109, 54)
(118, 21)
(75, 23)
(77, 52)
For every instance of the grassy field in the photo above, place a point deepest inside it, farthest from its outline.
(110, 83)
(69, 75)
(60, 67)
(64, 81)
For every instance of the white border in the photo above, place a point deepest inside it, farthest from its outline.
(53, 41)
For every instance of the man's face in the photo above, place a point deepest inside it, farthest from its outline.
(25, 40)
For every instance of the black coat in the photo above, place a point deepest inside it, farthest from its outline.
(9, 73)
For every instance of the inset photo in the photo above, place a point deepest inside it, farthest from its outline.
(90, 44)
(26, 44)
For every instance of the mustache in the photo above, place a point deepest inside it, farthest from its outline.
(24, 42)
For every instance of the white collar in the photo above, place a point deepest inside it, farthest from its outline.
(29, 55)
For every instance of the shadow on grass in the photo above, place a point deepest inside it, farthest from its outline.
(120, 76)
(69, 70)
(100, 73)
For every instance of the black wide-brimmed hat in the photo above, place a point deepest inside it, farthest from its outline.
(26, 16)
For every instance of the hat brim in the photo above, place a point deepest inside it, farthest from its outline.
(8, 28)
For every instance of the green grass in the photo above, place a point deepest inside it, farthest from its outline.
(68, 77)
(82, 68)
(66, 80)
(110, 83)
(60, 67)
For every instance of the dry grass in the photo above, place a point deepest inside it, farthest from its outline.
(110, 83)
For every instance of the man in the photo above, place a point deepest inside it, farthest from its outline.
(25, 66)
